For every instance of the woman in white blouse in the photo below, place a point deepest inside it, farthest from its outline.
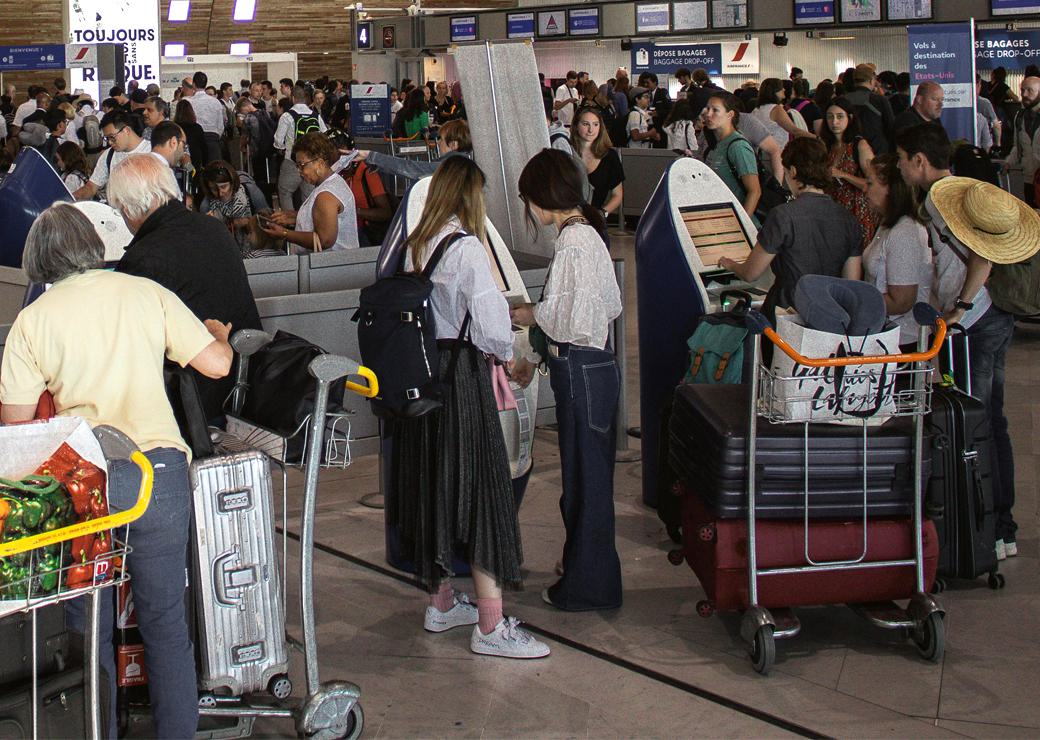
(328, 218)
(450, 486)
(580, 299)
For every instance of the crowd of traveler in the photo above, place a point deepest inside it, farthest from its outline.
(868, 169)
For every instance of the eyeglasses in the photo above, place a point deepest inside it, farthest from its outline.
(301, 166)
(112, 139)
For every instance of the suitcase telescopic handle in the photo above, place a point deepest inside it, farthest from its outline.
(758, 323)
(326, 368)
(91, 526)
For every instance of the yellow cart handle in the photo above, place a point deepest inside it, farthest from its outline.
(369, 391)
(92, 526)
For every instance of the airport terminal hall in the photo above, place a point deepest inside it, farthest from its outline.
(519, 369)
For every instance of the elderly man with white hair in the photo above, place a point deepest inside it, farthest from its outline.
(187, 252)
(97, 341)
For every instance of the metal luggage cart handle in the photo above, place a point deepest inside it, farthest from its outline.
(757, 323)
(327, 368)
(92, 526)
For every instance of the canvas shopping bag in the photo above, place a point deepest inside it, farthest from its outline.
(852, 392)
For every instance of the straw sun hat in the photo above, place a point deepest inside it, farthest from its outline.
(988, 220)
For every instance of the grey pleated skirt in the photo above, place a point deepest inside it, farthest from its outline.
(451, 489)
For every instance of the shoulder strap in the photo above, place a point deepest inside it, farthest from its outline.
(435, 258)
(802, 105)
(363, 172)
(108, 159)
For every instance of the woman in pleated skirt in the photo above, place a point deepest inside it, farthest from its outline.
(451, 486)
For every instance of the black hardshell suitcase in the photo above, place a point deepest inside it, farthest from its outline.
(52, 643)
(707, 448)
(960, 492)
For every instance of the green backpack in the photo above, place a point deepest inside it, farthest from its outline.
(1016, 288)
(717, 349)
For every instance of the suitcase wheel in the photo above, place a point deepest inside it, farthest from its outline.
(676, 557)
(707, 532)
(939, 586)
(930, 637)
(280, 687)
(763, 651)
(995, 580)
(705, 608)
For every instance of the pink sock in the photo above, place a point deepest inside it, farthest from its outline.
(444, 599)
(489, 612)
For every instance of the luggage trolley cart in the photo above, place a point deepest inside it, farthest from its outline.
(772, 396)
(412, 147)
(107, 569)
(330, 709)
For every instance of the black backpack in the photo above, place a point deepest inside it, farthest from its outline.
(398, 340)
(267, 126)
(972, 161)
(305, 123)
(872, 126)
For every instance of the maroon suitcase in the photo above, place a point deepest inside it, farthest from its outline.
(716, 550)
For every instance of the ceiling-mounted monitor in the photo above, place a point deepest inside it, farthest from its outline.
(690, 15)
(814, 12)
(729, 14)
(520, 25)
(909, 10)
(552, 23)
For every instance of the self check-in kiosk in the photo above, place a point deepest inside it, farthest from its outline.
(31, 187)
(692, 220)
(518, 424)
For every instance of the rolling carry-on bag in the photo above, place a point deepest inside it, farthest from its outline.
(241, 614)
(707, 446)
(959, 497)
(716, 549)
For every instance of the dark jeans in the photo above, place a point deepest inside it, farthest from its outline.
(586, 383)
(989, 339)
(160, 543)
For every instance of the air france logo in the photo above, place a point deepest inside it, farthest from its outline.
(552, 25)
(741, 51)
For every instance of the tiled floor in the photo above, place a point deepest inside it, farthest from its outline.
(654, 668)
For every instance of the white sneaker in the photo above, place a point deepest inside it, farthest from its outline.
(1002, 552)
(1011, 548)
(508, 641)
(462, 614)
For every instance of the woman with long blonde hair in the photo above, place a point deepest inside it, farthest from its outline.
(450, 485)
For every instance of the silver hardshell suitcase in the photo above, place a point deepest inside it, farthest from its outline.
(239, 599)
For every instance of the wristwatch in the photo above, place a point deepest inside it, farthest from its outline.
(963, 305)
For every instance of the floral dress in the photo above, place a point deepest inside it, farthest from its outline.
(851, 197)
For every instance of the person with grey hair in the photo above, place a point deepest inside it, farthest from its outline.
(187, 252)
(97, 341)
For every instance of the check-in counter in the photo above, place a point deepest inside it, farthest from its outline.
(340, 270)
(271, 276)
(643, 170)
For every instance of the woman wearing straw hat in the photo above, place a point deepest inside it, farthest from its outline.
(973, 225)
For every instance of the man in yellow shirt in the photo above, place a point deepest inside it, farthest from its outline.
(97, 340)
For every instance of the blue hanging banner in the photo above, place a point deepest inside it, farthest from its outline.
(1013, 50)
(369, 110)
(944, 53)
(43, 56)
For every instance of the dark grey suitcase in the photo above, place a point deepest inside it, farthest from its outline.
(52, 644)
(707, 449)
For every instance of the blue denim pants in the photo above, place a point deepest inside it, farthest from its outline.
(989, 340)
(587, 383)
(157, 570)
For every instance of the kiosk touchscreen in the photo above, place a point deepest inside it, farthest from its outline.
(691, 221)
(517, 425)
(30, 188)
